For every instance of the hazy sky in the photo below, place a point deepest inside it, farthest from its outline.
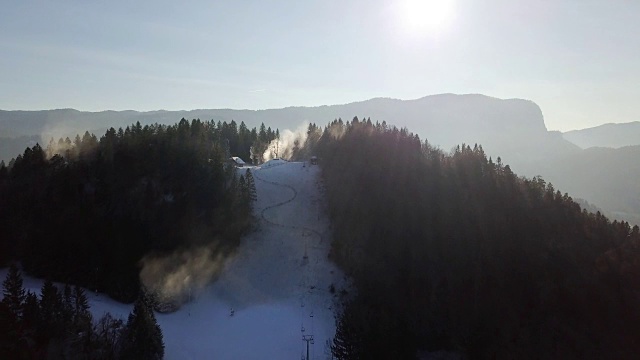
(579, 60)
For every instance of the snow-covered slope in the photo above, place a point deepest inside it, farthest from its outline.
(279, 276)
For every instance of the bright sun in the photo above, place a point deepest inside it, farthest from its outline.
(425, 17)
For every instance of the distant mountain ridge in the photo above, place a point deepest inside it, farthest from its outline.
(607, 135)
(466, 109)
(511, 128)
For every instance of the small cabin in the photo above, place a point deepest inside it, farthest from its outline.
(236, 161)
(314, 160)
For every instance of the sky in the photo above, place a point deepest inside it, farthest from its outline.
(578, 60)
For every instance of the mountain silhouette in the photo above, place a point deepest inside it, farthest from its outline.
(513, 129)
(607, 135)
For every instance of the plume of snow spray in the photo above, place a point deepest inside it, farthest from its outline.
(59, 130)
(284, 146)
(337, 131)
(178, 277)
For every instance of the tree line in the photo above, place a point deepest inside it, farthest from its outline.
(58, 325)
(455, 252)
(86, 211)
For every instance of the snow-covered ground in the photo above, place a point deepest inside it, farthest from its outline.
(279, 277)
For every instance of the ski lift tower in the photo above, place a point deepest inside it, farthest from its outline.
(307, 338)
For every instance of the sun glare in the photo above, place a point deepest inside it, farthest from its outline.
(425, 17)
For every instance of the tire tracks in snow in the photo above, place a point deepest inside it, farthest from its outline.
(282, 203)
(308, 283)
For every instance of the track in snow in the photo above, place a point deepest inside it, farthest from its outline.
(295, 194)
(270, 289)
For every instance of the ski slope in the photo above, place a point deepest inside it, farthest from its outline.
(267, 292)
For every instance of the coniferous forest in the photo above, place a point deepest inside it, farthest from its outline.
(58, 325)
(448, 251)
(454, 252)
(85, 212)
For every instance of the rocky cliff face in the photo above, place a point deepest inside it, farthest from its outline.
(448, 120)
(513, 129)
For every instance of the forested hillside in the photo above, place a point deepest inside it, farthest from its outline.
(456, 252)
(58, 325)
(86, 212)
(607, 177)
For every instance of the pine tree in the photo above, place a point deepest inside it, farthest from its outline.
(142, 337)
(50, 310)
(3, 170)
(262, 135)
(31, 312)
(242, 185)
(80, 335)
(10, 333)
(244, 201)
(251, 186)
(14, 294)
(81, 314)
(347, 343)
(51, 148)
(67, 305)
